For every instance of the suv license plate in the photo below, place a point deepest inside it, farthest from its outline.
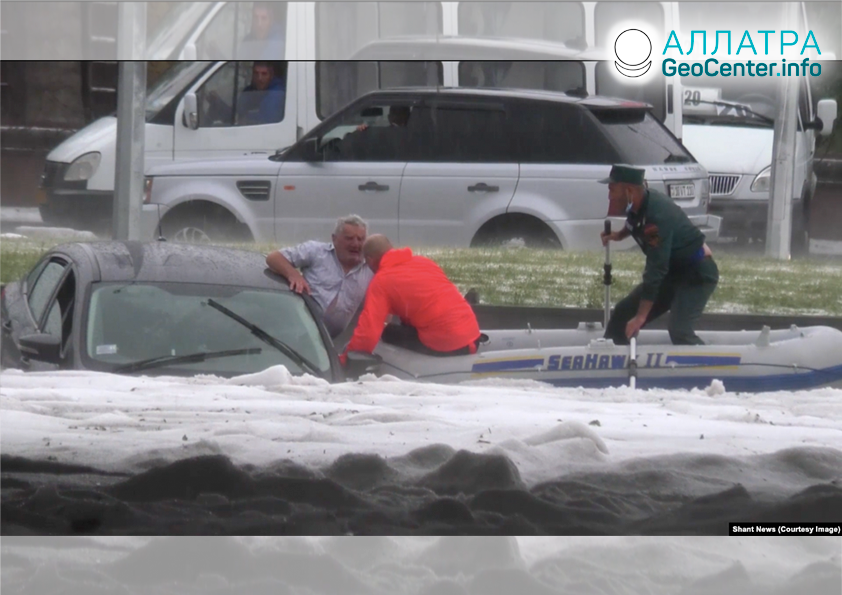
(681, 191)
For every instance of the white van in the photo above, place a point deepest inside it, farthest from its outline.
(729, 123)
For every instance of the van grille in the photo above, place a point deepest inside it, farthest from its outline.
(721, 185)
(255, 189)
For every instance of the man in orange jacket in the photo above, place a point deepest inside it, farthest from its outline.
(436, 319)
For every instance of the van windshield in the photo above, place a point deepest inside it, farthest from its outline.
(641, 138)
(170, 30)
(729, 101)
(173, 82)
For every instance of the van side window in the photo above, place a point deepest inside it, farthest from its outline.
(560, 76)
(558, 134)
(609, 15)
(340, 83)
(243, 94)
(245, 30)
(344, 27)
(551, 21)
(372, 133)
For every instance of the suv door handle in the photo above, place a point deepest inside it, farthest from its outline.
(483, 187)
(372, 186)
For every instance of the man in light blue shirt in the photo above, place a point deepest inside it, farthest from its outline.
(333, 273)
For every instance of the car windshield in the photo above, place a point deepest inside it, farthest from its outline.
(131, 323)
(729, 101)
(173, 27)
(640, 138)
(170, 84)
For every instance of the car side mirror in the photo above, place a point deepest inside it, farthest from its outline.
(360, 363)
(41, 347)
(191, 111)
(825, 117)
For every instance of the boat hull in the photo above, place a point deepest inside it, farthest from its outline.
(744, 361)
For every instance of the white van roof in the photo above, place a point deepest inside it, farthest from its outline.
(449, 47)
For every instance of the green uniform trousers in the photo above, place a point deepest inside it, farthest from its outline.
(683, 293)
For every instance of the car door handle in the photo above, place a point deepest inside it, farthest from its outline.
(372, 187)
(483, 187)
(7, 325)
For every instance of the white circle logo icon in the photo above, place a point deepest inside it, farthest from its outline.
(633, 48)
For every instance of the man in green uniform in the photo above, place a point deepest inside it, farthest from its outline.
(680, 274)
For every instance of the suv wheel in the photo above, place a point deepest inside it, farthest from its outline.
(198, 226)
(520, 232)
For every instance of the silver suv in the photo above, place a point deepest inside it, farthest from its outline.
(440, 167)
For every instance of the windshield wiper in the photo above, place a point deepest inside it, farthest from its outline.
(168, 360)
(676, 159)
(258, 332)
(739, 106)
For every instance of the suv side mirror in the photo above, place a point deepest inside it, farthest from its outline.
(191, 111)
(825, 117)
(309, 150)
(41, 346)
(360, 363)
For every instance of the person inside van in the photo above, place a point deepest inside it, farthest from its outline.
(435, 318)
(262, 102)
(680, 274)
(333, 273)
(267, 38)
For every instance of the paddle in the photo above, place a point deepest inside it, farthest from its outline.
(606, 279)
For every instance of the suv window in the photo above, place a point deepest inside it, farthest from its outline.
(243, 93)
(640, 138)
(558, 133)
(549, 76)
(340, 83)
(463, 132)
(372, 132)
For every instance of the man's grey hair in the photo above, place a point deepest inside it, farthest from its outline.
(354, 220)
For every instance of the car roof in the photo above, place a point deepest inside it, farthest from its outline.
(463, 48)
(592, 101)
(175, 262)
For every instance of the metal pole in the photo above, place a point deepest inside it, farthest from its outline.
(779, 218)
(131, 30)
(131, 122)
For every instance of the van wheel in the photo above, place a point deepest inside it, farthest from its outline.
(196, 226)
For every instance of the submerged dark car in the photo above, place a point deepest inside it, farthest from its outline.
(161, 308)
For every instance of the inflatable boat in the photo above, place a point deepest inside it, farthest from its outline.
(744, 361)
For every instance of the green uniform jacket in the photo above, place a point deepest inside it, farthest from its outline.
(668, 238)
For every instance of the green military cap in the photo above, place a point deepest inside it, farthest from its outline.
(625, 174)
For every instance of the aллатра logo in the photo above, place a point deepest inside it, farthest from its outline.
(633, 48)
